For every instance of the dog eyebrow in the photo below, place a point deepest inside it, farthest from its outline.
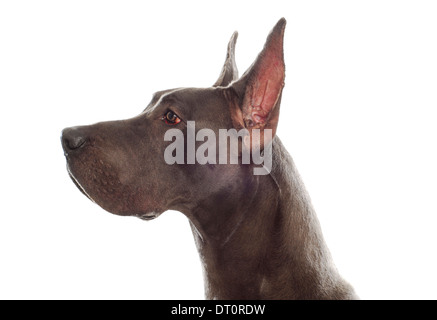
(172, 97)
(169, 98)
(156, 97)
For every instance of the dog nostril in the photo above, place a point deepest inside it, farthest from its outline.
(72, 139)
(75, 143)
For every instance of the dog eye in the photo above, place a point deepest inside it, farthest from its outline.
(171, 118)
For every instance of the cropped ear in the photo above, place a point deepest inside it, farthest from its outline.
(259, 89)
(229, 71)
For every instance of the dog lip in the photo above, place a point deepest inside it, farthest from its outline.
(149, 216)
(78, 185)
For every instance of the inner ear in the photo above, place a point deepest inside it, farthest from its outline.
(261, 85)
(262, 95)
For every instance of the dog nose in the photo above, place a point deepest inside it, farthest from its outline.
(72, 139)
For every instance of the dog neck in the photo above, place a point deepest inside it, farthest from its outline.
(268, 245)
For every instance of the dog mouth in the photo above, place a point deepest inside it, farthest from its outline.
(149, 216)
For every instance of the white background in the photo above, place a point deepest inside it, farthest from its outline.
(358, 115)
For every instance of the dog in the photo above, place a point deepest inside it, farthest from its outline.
(257, 234)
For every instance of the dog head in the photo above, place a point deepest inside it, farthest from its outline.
(120, 165)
